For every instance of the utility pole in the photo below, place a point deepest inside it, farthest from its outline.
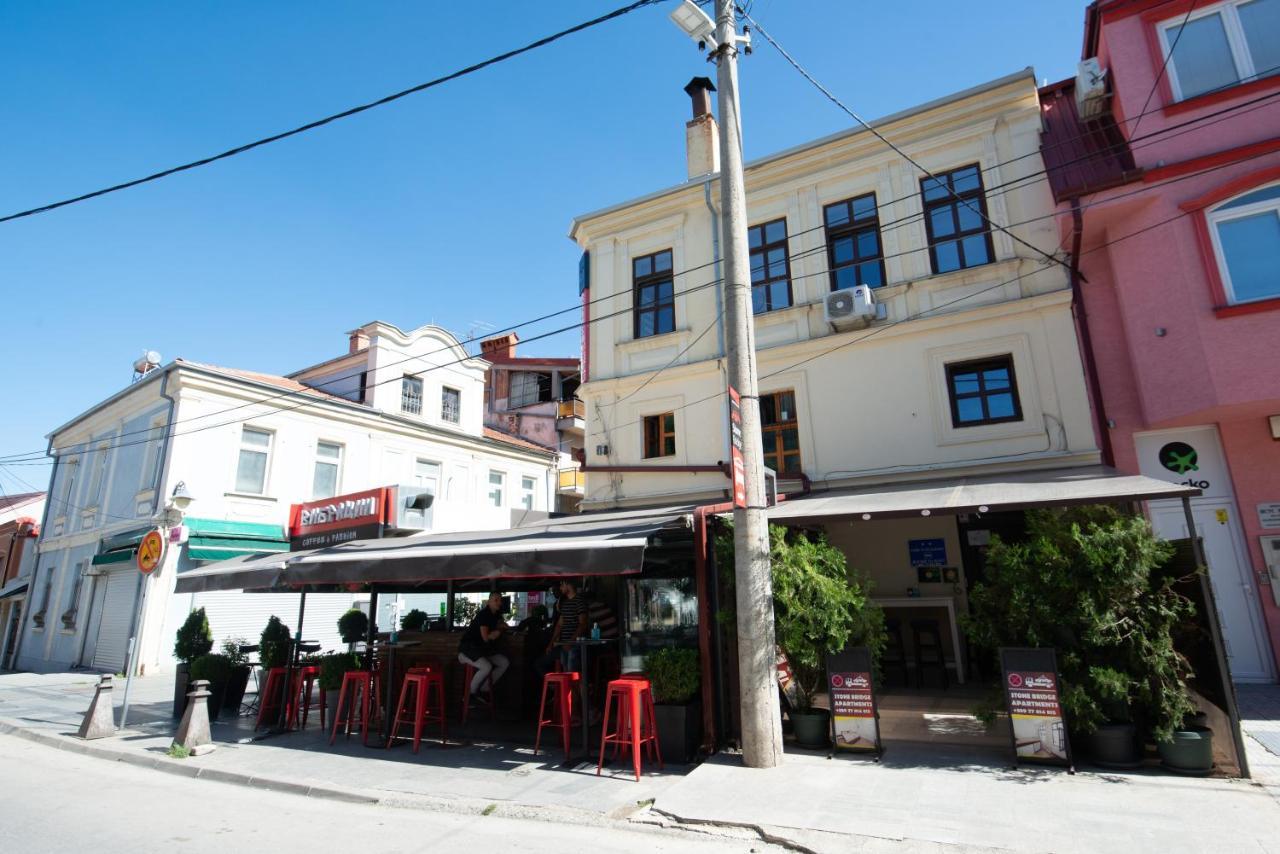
(757, 658)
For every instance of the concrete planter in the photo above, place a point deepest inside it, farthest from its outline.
(812, 729)
(1189, 752)
(679, 731)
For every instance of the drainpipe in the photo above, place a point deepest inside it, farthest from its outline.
(1086, 339)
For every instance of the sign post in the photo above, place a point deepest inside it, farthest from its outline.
(150, 554)
(855, 720)
(737, 462)
(1037, 724)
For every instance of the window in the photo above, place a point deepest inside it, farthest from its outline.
(781, 432)
(155, 444)
(528, 387)
(73, 598)
(527, 486)
(450, 404)
(37, 618)
(660, 435)
(100, 459)
(69, 482)
(770, 268)
(426, 475)
(1246, 238)
(655, 304)
(983, 392)
(1222, 45)
(324, 483)
(251, 470)
(956, 224)
(854, 254)
(497, 480)
(411, 395)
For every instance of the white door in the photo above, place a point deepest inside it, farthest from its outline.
(115, 620)
(1234, 586)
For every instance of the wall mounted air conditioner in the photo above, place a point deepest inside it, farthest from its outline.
(851, 308)
(1092, 99)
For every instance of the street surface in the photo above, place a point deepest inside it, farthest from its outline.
(55, 801)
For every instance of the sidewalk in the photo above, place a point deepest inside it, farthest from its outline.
(922, 797)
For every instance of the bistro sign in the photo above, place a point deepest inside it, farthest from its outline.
(340, 511)
(357, 516)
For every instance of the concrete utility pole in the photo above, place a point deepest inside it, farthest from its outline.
(757, 659)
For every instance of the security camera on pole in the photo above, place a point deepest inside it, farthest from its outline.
(757, 656)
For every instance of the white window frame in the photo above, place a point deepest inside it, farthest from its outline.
(1240, 56)
(1214, 216)
(497, 489)
(151, 460)
(72, 469)
(444, 410)
(98, 477)
(241, 447)
(406, 382)
(329, 461)
(528, 494)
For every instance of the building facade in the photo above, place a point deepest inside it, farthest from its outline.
(19, 527)
(1164, 157)
(397, 408)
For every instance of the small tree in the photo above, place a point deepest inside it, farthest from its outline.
(275, 643)
(673, 673)
(194, 638)
(414, 621)
(353, 626)
(464, 610)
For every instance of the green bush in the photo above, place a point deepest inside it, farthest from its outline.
(414, 621)
(214, 667)
(333, 666)
(231, 649)
(673, 674)
(1087, 582)
(353, 626)
(464, 610)
(194, 638)
(275, 644)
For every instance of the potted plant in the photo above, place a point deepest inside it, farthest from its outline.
(674, 678)
(274, 648)
(1188, 749)
(194, 639)
(353, 627)
(414, 621)
(333, 666)
(217, 669)
(238, 680)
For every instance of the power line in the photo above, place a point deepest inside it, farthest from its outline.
(241, 149)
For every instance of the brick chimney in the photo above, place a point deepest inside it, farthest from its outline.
(499, 347)
(702, 134)
(357, 340)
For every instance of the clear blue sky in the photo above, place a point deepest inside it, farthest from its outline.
(449, 206)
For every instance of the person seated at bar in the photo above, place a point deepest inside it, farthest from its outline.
(571, 624)
(479, 646)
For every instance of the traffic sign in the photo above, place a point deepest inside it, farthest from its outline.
(150, 551)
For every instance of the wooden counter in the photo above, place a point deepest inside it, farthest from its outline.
(514, 693)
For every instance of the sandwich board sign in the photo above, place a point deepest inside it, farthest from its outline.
(855, 720)
(1032, 692)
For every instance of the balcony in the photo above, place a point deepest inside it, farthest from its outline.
(571, 417)
(410, 402)
(571, 482)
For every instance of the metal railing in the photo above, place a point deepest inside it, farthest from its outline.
(410, 402)
(571, 409)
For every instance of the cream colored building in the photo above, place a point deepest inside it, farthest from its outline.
(873, 403)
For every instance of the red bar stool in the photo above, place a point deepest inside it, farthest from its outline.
(561, 709)
(634, 726)
(357, 685)
(305, 681)
(270, 697)
(469, 673)
(423, 682)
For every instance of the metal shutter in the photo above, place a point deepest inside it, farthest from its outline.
(117, 617)
(235, 614)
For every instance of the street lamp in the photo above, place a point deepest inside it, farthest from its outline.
(182, 496)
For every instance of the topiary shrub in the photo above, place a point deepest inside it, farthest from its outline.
(194, 638)
(673, 674)
(353, 626)
(414, 621)
(214, 667)
(275, 644)
(332, 668)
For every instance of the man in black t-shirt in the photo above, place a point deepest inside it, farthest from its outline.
(479, 646)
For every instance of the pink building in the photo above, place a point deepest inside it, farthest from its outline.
(1167, 174)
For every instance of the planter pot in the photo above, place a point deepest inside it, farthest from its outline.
(217, 696)
(679, 731)
(812, 729)
(1190, 751)
(234, 696)
(181, 681)
(1115, 746)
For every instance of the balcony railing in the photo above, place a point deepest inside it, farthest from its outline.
(410, 402)
(572, 479)
(571, 409)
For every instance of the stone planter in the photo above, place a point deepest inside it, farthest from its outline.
(812, 729)
(679, 731)
(1189, 752)
(1115, 746)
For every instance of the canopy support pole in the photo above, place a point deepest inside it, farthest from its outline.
(1215, 632)
(282, 722)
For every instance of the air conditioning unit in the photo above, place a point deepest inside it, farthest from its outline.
(1092, 99)
(851, 308)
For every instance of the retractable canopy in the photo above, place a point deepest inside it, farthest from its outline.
(13, 588)
(1009, 491)
(590, 544)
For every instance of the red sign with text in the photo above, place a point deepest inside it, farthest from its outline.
(329, 521)
(737, 462)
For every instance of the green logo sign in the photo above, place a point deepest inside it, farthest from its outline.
(1179, 458)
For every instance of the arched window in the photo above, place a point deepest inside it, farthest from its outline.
(1246, 241)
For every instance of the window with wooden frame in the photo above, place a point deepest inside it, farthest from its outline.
(780, 429)
(983, 392)
(654, 294)
(955, 218)
(770, 266)
(660, 435)
(855, 255)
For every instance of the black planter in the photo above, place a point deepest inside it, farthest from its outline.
(812, 728)
(234, 696)
(679, 731)
(181, 681)
(217, 696)
(1115, 746)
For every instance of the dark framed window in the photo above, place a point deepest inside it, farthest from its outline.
(450, 404)
(959, 235)
(855, 255)
(770, 267)
(660, 435)
(655, 301)
(780, 429)
(983, 392)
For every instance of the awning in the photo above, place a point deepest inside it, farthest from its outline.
(1009, 491)
(610, 543)
(13, 588)
(220, 539)
(119, 548)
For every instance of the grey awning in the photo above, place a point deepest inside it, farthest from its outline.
(1009, 491)
(13, 588)
(589, 544)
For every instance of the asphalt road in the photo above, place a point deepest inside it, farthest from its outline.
(55, 801)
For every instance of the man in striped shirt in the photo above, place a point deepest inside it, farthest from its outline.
(571, 624)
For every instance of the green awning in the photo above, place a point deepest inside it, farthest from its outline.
(220, 539)
(118, 556)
